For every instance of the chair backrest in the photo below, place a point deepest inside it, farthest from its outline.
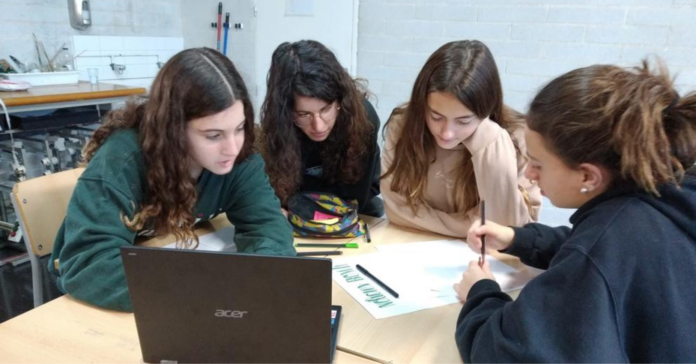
(41, 204)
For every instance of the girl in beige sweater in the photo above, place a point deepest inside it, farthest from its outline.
(454, 144)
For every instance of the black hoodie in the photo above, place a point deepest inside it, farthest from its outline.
(619, 287)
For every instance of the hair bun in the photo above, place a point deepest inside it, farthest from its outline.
(671, 105)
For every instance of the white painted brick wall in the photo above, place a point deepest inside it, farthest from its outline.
(586, 53)
(533, 41)
(547, 32)
(512, 14)
(514, 49)
(413, 28)
(475, 30)
(586, 15)
(626, 34)
(445, 12)
(683, 37)
(49, 20)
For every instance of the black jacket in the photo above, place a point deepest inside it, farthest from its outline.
(365, 191)
(619, 287)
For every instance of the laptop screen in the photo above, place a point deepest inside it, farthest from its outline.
(193, 306)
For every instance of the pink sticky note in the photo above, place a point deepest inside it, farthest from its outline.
(318, 216)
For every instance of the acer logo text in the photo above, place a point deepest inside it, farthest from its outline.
(230, 313)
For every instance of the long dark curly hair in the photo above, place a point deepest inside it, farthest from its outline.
(194, 83)
(307, 68)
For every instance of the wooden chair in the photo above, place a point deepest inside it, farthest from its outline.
(41, 204)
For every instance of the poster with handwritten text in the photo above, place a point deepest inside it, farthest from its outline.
(422, 274)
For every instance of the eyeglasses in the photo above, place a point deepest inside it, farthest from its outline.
(327, 113)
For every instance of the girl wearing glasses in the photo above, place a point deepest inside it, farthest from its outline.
(454, 144)
(319, 131)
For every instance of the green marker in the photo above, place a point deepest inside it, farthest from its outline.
(317, 245)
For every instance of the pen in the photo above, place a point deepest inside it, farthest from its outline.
(219, 25)
(320, 245)
(329, 252)
(483, 237)
(226, 25)
(367, 234)
(376, 280)
(356, 353)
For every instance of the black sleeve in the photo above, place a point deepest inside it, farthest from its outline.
(537, 244)
(567, 314)
(368, 186)
(376, 157)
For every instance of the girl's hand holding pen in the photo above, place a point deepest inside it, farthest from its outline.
(498, 237)
(472, 275)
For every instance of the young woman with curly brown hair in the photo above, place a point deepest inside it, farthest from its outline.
(160, 165)
(318, 130)
(619, 145)
(454, 144)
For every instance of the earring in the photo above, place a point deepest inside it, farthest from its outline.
(584, 190)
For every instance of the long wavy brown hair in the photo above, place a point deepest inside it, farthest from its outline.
(630, 121)
(307, 68)
(194, 83)
(467, 70)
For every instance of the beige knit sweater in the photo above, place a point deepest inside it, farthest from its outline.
(499, 178)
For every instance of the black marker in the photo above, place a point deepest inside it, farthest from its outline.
(483, 237)
(367, 234)
(376, 280)
(330, 252)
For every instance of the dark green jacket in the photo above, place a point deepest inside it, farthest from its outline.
(88, 243)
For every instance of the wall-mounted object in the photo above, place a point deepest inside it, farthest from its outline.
(80, 13)
(118, 68)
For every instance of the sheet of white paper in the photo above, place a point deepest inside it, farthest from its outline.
(421, 273)
(221, 240)
(445, 261)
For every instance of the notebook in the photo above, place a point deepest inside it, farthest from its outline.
(213, 307)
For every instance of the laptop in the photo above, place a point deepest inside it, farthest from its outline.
(214, 307)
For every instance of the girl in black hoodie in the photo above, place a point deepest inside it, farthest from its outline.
(619, 145)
